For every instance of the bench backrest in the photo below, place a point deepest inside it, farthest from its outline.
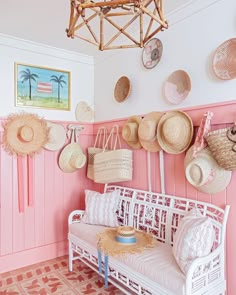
(160, 214)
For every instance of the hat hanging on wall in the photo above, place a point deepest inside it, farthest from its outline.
(24, 134)
(57, 136)
(224, 60)
(84, 112)
(204, 173)
(130, 132)
(72, 157)
(175, 132)
(147, 131)
(122, 89)
(152, 53)
(177, 87)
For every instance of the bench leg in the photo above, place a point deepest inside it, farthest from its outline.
(70, 256)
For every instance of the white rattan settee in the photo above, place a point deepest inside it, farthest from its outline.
(142, 274)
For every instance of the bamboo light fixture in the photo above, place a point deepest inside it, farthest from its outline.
(113, 24)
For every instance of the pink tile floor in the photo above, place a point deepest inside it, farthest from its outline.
(53, 277)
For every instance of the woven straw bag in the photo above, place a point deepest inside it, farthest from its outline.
(115, 165)
(99, 145)
(222, 143)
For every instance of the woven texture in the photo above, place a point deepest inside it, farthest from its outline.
(222, 148)
(109, 245)
(101, 208)
(98, 147)
(224, 60)
(113, 166)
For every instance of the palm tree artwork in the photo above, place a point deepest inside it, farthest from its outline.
(59, 80)
(26, 75)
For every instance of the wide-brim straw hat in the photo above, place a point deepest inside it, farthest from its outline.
(24, 134)
(130, 132)
(84, 112)
(108, 244)
(72, 158)
(57, 136)
(224, 60)
(177, 87)
(122, 89)
(147, 131)
(204, 173)
(175, 132)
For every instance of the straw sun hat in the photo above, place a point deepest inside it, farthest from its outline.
(175, 132)
(130, 132)
(24, 134)
(57, 136)
(109, 241)
(204, 173)
(71, 158)
(147, 132)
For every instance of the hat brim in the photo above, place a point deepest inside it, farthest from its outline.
(221, 178)
(11, 141)
(109, 245)
(151, 146)
(184, 142)
(137, 144)
(57, 137)
(65, 155)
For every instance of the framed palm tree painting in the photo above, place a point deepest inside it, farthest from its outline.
(42, 87)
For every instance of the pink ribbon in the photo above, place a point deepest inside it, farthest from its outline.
(30, 164)
(20, 183)
(204, 128)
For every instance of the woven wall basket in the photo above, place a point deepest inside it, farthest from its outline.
(222, 148)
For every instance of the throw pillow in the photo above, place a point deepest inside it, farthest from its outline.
(101, 208)
(194, 238)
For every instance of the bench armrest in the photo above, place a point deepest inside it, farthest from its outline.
(75, 216)
(201, 269)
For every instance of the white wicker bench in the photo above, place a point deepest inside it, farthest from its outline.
(160, 215)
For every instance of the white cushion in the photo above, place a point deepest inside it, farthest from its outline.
(154, 263)
(194, 238)
(101, 208)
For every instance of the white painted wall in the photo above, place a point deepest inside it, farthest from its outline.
(21, 51)
(195, 32)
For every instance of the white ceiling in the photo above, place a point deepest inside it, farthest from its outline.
(45, 22)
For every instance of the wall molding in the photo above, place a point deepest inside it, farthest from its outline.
(26, 45)
(188, 9)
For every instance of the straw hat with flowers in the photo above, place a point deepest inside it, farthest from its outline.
(24, 134)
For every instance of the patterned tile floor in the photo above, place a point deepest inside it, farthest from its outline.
(53, 277)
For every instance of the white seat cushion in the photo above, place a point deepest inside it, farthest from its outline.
(158, 263)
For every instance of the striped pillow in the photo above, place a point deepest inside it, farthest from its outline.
(194, 238)
(101, 208)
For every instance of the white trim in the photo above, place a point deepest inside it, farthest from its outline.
(188, 9)
(26, 45)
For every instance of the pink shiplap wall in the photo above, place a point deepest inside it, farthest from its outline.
(40, 232)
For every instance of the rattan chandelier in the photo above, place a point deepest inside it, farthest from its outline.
(116, 24)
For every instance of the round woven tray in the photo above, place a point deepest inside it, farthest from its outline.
(224, 60)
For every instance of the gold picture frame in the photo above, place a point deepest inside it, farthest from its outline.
(42, 87)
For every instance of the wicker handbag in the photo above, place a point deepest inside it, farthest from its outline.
(99, 145)
(114, 165)
(222, 143)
